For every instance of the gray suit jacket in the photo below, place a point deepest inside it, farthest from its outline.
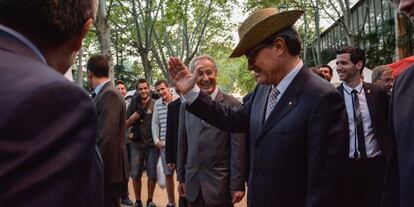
(209, 160)
(110, 108)
(47, 134)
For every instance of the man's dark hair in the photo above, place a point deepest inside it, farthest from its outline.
(51, 22)
(119, 82)
(291, 38)
(161, 82)
(141, 81)
(355, 53)
(326, 66)
(98, 65)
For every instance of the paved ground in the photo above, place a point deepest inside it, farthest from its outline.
(160, 195)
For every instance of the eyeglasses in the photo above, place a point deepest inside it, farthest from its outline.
(252, 54)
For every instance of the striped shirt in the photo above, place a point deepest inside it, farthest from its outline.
(159, 120)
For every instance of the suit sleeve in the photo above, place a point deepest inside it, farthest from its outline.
(327, 145)
(182, 145)
(169, 135)
(48, 150)
(391, 193)
(226, 118)
(109, 112)
(238, 162)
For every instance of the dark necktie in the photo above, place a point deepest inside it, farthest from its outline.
(271, 101)
(359, 127)
(93, 95)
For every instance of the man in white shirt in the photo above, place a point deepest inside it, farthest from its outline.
(367, 109)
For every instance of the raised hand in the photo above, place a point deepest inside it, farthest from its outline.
(183, 79)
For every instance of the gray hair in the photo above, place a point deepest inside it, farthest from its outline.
(194, 62)
(378, 71)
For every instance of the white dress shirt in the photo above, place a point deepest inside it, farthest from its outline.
(371, 144)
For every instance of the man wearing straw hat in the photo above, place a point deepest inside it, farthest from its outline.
(297, 121)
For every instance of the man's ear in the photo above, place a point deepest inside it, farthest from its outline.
(359, 64)
(78, 39)
(280, 46)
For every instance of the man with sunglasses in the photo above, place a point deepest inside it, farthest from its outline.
(297, 121)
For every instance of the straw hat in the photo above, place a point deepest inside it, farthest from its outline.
(262, 24)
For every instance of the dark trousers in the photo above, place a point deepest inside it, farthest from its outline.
(182, 202)
(200, 202)
(112, 194)
(365, 181)
(125, 193)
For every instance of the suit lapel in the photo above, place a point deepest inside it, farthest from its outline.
(286, 103)
(341, 89)
(219, 98)
(258, 108)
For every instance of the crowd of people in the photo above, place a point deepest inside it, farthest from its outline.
(294, 141)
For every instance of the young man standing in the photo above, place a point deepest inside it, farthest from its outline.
(159, 129)
(367, 108)
(143, 150)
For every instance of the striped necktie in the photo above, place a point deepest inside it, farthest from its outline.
(271, 101)
(359, 127)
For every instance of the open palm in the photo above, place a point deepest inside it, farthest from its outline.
(184, 80)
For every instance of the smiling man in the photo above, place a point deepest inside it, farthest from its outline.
(367, 108)
(210, 161)
(297, 121)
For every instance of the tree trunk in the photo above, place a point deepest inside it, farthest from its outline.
(79, 77)
(401, 49)
(103, 33)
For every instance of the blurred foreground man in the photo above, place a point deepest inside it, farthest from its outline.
(47, 124)
(400, 175)
(110, 108)
(297, 121)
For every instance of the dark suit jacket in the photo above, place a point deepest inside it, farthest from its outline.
(378, 106)
(297, 155)
(171, 136)
(110, 108)
(47, 135)
(210, 161)
(400, 171)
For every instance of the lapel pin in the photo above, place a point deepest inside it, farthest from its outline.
(369, 90)
(290, 103)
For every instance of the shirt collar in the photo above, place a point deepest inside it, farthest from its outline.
(285, 82)
(348, 89)
(24, 40)
(99, 87)
(214, 94)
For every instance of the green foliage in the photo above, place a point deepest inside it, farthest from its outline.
(233, 76)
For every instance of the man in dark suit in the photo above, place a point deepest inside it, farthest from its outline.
(110, 108)
(400, 171)
(297, 121)
(47, 125)
(210, 161)
(367, 108)
(171, 140)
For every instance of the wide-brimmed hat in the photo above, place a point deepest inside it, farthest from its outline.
(262, 24)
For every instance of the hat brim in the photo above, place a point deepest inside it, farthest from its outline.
(265, 29)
